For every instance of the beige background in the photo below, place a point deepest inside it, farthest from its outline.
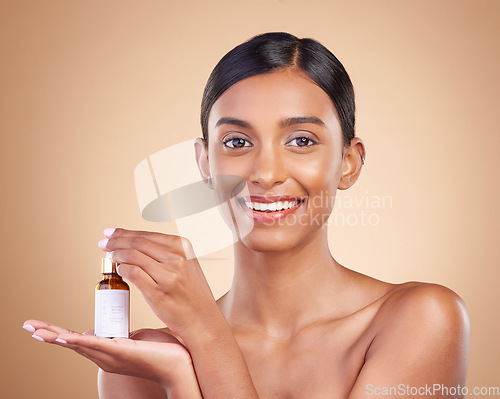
(90, 88)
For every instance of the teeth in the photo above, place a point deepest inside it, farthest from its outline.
(271, 206)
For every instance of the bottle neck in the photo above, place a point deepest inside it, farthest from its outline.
(107, 276)
(108, 266)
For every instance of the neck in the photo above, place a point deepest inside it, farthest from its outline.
(281, 292)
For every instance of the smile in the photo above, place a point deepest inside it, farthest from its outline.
(269, 209)
(271, 206)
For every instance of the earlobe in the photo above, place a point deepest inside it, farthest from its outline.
(352, 162)
(202, 160)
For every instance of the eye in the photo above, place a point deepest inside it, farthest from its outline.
(236, 142)
(301, 142)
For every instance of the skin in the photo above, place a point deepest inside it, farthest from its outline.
(295, 323)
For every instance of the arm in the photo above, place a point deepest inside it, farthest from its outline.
(179, 382)
(164, 268)
(219, 363)
(118, 386)
(151, 365)
(114, 386)
(422, 339)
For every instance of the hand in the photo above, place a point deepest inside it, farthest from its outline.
(151, 354)
(164, 268)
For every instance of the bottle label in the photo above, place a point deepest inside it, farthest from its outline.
(112, 313)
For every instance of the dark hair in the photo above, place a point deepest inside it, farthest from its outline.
(269, 51)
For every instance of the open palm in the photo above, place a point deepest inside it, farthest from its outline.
(152, 354)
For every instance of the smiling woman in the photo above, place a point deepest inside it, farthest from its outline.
(278, 112)
(288, 147)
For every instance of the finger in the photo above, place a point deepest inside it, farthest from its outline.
(134, 261)
(49, 336)
(153, 258)
(160, 238)
(52, 334)
(155, 270)
(140, 251)
(33, 325)
(137, 276)
(98, 356)
(90, 343)
(154, 335)
(180, 245)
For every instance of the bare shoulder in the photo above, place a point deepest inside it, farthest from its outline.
(420, 334)
(423, 302)
(416, 316)
(411, 304)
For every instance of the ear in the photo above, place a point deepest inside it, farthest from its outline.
(352, 162)
(202, 160)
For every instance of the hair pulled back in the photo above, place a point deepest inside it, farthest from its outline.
(269, 51)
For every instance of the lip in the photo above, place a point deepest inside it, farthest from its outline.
(270, 198)
(269, 217)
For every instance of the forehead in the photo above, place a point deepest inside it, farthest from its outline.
(271, 97)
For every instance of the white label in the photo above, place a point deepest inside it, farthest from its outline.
(111, 313)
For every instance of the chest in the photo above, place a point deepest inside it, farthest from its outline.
(316, 363)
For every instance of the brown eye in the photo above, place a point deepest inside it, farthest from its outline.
(236, 142)
(302, 142)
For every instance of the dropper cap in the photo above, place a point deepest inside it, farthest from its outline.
(107, 265)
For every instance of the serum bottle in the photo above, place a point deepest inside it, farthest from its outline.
(112, 301)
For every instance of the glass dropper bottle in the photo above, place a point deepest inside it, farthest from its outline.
(112, 302)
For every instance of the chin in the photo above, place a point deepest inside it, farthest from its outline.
(265, 246)
(271, 241)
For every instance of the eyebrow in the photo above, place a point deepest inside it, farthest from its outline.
(233, 121)
(295, 120)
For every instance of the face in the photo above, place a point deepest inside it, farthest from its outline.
(280, 134)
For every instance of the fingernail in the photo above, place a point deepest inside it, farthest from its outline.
(61, 341)
(103, 243)
(29, 327)
(109, 231)
(38, 338)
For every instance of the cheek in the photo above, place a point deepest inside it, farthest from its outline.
(319, 177)
(318, 173)
(222, 164)
(229, 166)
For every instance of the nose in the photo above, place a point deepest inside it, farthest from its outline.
(269, 168)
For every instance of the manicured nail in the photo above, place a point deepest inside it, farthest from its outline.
(61, 341)
(29, 327)
(103, 243)
(38, 338)
(109, 231)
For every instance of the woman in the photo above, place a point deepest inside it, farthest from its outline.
(278, 112)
